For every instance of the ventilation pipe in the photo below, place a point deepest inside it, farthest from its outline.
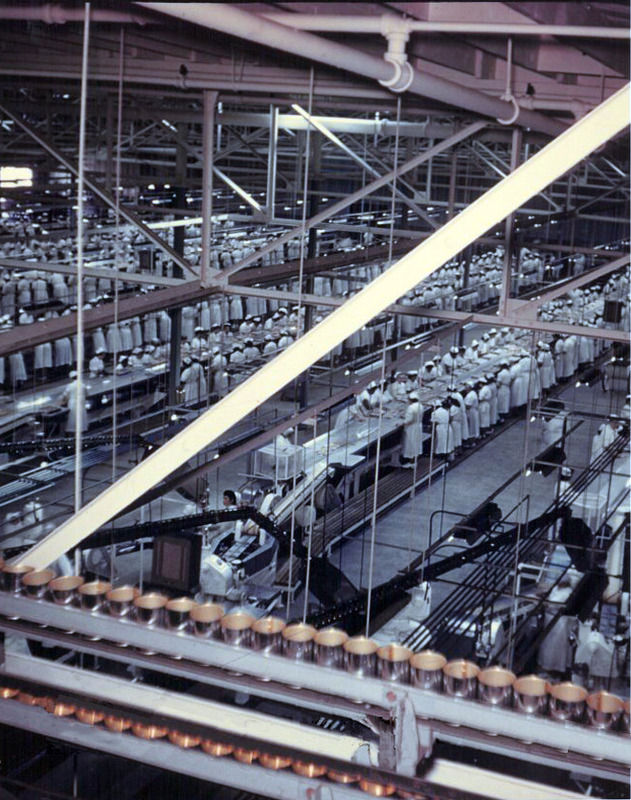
(55, 14)
(231, 19)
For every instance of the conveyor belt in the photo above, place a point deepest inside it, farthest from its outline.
(355, 513)
(44, 477)
(437, 629)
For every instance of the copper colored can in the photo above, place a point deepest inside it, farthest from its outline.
(148, 731)
(244, 755)
(274, 762)
(217, 749)
(59, 708)
(178, 613)
(89, 716)
(185, 740)
(342, 777)
(117, 724)
(7, 692)
(376, 789)
(308, 769)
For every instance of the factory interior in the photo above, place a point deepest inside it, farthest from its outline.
(315, 411)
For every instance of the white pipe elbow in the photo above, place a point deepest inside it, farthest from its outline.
(510, 98)
(403, 73)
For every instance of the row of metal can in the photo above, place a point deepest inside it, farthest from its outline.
(329, 647)
(149, 731)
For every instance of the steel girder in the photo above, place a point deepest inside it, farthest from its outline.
(553, 161)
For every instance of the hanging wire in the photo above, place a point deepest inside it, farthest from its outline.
(299, 332)
(79, 402)
(117, 260)
(373, 520)
(117, 239)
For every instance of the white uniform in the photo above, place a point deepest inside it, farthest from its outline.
(484, 406)
(70, 398)
(440, 423)
(473, 416)
(195, 386)
(413, 430)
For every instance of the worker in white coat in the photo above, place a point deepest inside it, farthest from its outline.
(443, 444)
(519, 385)
(194, 381)
(429, 373)
(546, 366)
(503, 390)
(400, 387)
(484, 406)
(471, 401)
(97, 365)
(72, 397)
(606, 435)
(492, 384)
(412, 432)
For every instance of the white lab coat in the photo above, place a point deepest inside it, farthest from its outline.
(440, 423)
(413, 430)
(484, 406)
(605, 436)
(464, 422)
(473, 415)
(519, 385)
(195, 386)
(70, 398)
(546, 369)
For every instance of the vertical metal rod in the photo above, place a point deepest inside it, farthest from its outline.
(509, 230)
(272, 161)
(79, 404)
(453, 171)
(208, 144)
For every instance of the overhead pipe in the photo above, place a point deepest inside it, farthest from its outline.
(236, 22)
(55, 14)
(361, 24)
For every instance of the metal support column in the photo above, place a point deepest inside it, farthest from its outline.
(178, 201)
(453, 171)
(208, 147)
(509, 230)
(109, 142)
(271, 161)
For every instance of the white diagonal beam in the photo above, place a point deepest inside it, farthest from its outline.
(546, 166)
